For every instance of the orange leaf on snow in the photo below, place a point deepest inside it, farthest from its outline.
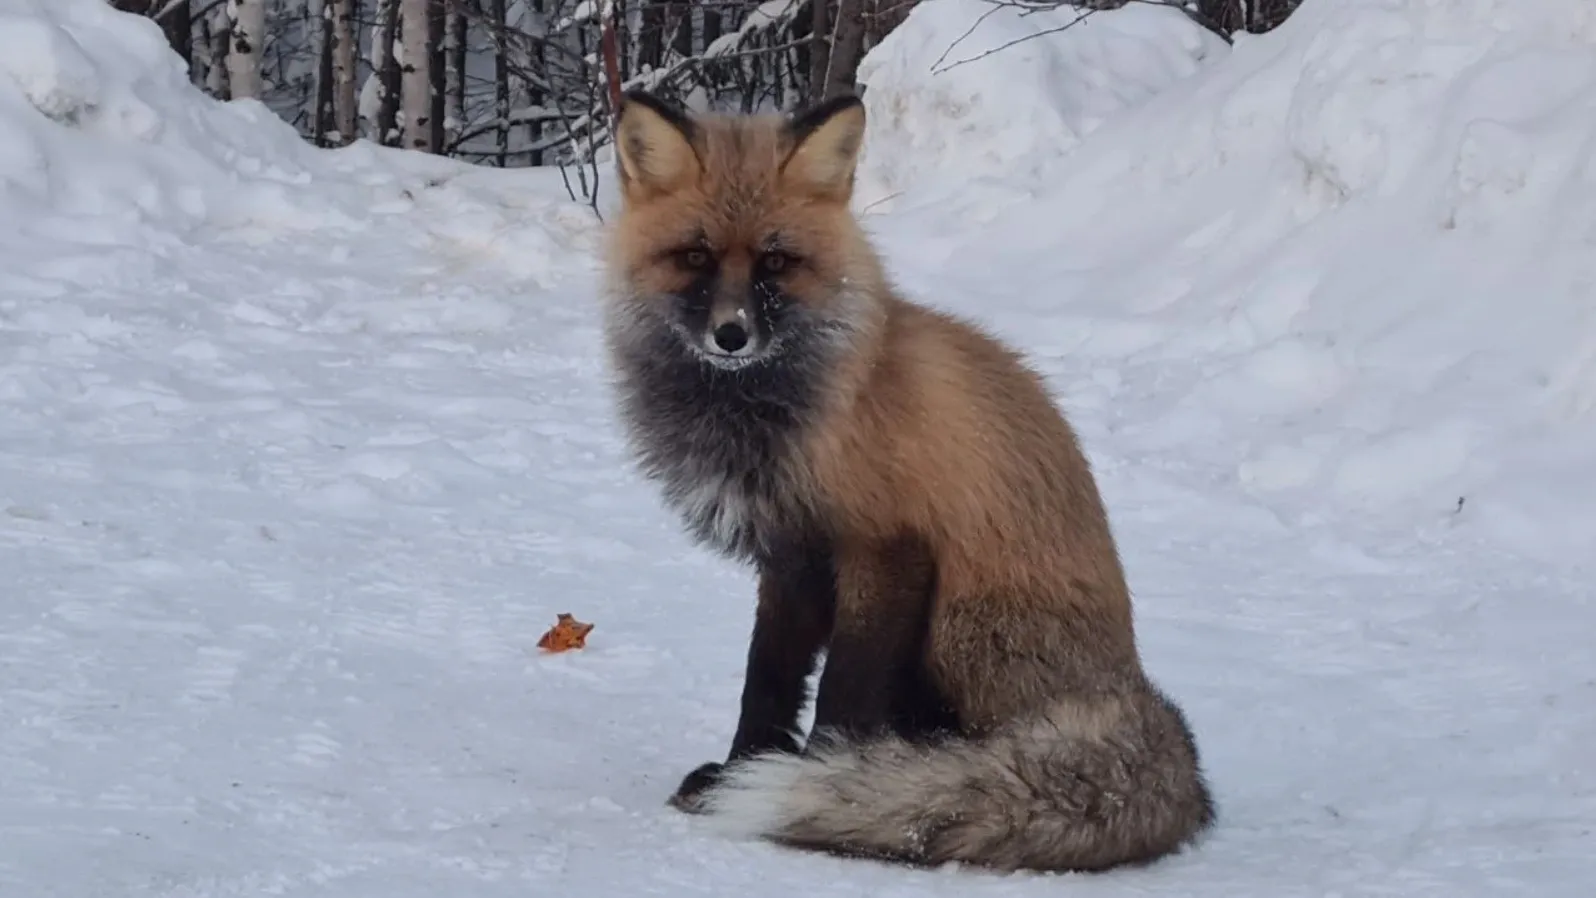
(568, 633)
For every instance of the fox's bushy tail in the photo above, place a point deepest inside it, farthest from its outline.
(1078, 789)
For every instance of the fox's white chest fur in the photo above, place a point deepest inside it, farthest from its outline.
(718, 511)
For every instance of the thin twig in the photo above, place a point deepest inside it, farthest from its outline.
(1019, 40)
(967, 32)
(1028, 8)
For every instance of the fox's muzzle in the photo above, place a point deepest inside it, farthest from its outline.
(732, 329)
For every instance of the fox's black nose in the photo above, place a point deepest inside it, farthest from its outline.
(730, 337)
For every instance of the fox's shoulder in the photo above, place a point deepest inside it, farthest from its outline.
(942, 350)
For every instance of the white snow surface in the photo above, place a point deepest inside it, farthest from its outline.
(301, 450)
(973, 92)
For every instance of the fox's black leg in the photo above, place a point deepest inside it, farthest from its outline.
(797, 602)
(874, 675)
(797, 599)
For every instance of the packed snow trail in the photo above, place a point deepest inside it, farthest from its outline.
(300, 452)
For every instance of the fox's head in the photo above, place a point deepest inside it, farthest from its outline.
(734, 235)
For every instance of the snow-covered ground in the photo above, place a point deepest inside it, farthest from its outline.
(300, 452)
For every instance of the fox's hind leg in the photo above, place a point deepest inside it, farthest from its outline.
(874, 679)
(921, 712)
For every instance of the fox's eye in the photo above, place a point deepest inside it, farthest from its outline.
(693, 258)
(774, 262)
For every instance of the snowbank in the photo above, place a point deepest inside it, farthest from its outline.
(966, 91)
(1351, 263)
(103, 139)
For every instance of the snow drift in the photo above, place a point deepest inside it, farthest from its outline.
(103, 138)
(1349, 263)
(967, 93)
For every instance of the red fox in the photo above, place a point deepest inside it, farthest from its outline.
(914, 505)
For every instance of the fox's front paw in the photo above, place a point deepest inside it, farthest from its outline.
(689, 797)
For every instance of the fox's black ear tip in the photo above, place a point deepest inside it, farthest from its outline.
(665, 109)
(848, 103)
(637, 95)
(831, 106)
(805, 121)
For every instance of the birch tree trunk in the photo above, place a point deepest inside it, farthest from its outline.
(847, 46)
(179, 28)
(345, 110)
(321, 121)
(379, 100)
(712, 25)
(438, 69)
(501, 85)
(246, 36)
(415, 78)
(213, 32)
(820, 50)
(651, 37)
(459, 55)
(539, 94)
(682, 37)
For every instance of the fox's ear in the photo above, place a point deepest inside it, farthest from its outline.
(653, 146)
(825, 145)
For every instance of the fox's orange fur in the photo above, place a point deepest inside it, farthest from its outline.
(915, 504)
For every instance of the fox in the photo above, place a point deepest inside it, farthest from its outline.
(919, 514)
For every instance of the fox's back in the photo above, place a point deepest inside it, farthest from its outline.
(949, 433)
